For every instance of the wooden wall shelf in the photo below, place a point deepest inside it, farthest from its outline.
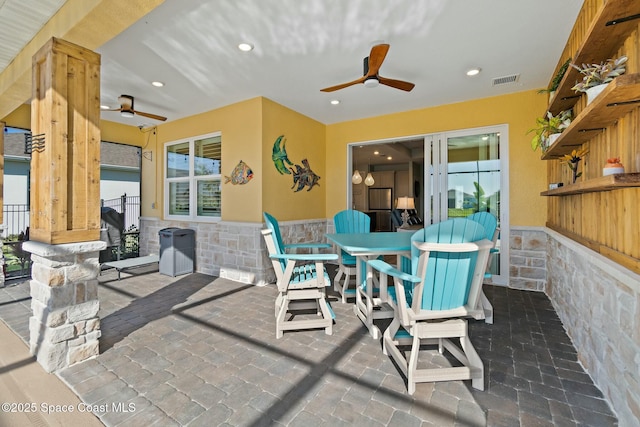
(601, 42)
(604, 183)
(619, 97)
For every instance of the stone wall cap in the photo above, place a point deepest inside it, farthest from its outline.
(615, 270)
(47, 250)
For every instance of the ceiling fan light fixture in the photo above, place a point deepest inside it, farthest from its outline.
(371, 82)
(128, 114)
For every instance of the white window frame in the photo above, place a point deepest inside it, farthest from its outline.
(192, 179)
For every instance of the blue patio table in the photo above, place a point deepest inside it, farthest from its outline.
(366, 246)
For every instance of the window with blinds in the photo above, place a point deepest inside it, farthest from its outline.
(193, 172)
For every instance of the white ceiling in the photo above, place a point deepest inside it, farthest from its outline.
(20, 20)
(302, 46)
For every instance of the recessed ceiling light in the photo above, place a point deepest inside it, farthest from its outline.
(157, 84)
(473, 72)
(389, 158)
(376, 152)
(245, 47)
(335, 102)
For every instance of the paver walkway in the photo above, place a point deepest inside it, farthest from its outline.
(201, 351)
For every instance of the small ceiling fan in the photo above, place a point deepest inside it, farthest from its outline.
(126, 109)
(370, 77)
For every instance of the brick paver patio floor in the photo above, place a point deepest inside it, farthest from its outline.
(197, 350)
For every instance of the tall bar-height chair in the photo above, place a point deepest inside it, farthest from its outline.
(490, 224)
(348, 221)
(431, 306)
(301, 280)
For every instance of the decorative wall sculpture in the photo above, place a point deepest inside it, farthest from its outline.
(303, 176)
(241, 174)
(279, 156)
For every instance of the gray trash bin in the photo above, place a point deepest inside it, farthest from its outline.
(177, 251)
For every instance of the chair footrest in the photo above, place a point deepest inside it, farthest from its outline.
(445, 374)
(384, 311)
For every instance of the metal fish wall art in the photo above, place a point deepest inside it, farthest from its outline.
(303, 176)
(279, 156)
(241, 174)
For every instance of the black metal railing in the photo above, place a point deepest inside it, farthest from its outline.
(16, 220)
(129, 206)
(16, 226)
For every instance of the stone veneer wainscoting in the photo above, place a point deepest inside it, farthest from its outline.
(528, 258)
(598, 302)
(232, 250)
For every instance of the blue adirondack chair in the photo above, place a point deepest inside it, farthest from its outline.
(348, 221)
(490, 224)
(433, 302)
(301, 280)
(312, 246)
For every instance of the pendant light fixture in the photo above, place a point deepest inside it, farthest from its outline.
(356, 178)
(369, 181)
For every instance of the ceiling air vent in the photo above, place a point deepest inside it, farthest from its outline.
(505, 80)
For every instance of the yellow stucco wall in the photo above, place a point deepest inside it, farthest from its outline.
(305, 139)
(527, 173)
(109, 131)
(250, 128)
(19, 118)
(241, 128)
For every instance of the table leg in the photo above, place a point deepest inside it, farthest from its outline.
(368, 307)
(364, 295)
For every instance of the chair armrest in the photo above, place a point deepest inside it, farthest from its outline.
(483, 244)
(307, 245)
(387, 269)
(305, 257)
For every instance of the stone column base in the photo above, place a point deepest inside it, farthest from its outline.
(65, 326)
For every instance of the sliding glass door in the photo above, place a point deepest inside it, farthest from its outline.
(465, 174)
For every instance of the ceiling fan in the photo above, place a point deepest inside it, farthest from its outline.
(126, 109)
(371, 78)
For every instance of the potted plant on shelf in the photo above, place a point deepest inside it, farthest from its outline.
(596, 76)
(613, 167)
(551, 90)
(548, 129)
(573, 160)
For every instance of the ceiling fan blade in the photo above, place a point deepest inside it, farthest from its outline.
(376, 57)
(343, 85)
(149, 115)
(398, 84)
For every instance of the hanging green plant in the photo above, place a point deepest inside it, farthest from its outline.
(557, 78)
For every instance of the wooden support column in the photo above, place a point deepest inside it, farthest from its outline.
(65, 169)
(65, 205)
